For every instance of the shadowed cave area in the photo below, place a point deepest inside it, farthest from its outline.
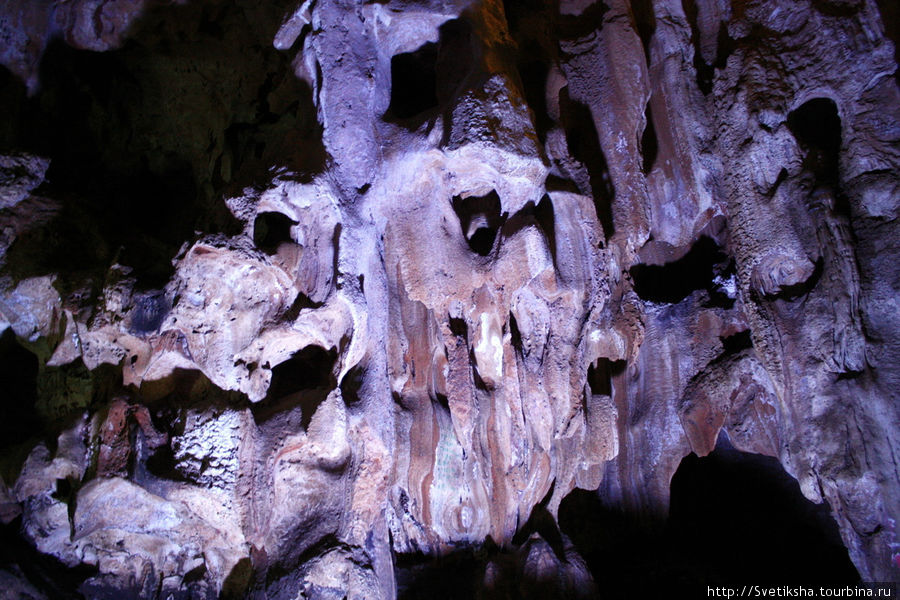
(421, 299)
(733, 516)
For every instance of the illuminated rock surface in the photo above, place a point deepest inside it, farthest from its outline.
(418, 298)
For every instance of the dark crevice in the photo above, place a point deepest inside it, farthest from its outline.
(718, 295)
(573, 27)
(817, 127)
(703, 70)
(890, 19)
(301, 302)
(163, 465)
(724, 47)
(298, 386)
(270, 230)
(733, 517)
(737, 342)
(675, 281)
(600, 375)
(584, 146)
(351, 385)
(413, 82)
(480, 219)
(515, 335)
(546, 219)
(282, 578)
(527, 22)
(309, 369)
(542, 523)
(453, 575)
(555, 183)
(836, 9)
(133, 180)
(649, 144)
(455, 59)
(149, 311)
(533, 74)
(19, 418)
(459, 328)
(645, 23)
(778, 531)
(427, 79)
(540, 216)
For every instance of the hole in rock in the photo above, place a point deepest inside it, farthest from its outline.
(270, 230)
(533, 68)
(149, 312)
(600, 374)
(480, 219)
(459, 328)
(133, 134)
(645, 23)
(351, 385)
(309, 369)
(590, 18)
(723, 291)
(736, 342)
(450, 577)
(301, 382)
(704, 71)
(890, 18)
(454, 60)
(584, 146)
(163, 464)
(724, 47)
(675, 281)
(649, 143)
(734, 517)
(515, 335)
(18, 370)
(817, 126)
(413, 82)
(741, 516)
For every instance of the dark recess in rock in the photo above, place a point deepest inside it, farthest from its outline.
(733, 515)
(817, 126)
(600, 374)
(706, 72)
(413, 82)
(480, 219)
(454, 59)
(649, 144)
(584, 145)
(741, 513)
(675, 281)
(736, 342)
(19, 370)
(533, 74)
(301, 381)
(645, 22)
(270, 230)
(149, 312)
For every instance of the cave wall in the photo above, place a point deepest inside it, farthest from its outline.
(296, 295)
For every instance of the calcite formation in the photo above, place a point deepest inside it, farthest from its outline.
(298, 295)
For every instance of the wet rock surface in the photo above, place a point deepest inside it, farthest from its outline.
(430, 299)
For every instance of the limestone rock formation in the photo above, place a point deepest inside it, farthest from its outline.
(327, 299)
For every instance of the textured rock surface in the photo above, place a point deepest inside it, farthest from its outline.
(296, 296)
